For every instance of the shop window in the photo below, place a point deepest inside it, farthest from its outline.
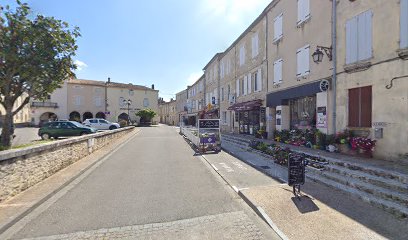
(360, 107)
(303, 112)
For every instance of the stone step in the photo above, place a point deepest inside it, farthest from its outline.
(379, 192)
(390, 206)
(368, 178)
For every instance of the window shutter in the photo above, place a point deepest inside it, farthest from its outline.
(277, 68)
(299, 53)
(366, 108)
(306, 9)
(351, 40)
(306, 60)
(404, 24)
(300, 11)
(255, 45)
(245, 85)
(259, 79)
(249, 83)
(354, 106)
(277, 25)
(364, 33)
(237, 86)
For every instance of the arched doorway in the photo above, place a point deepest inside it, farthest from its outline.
(47, 117)
(75, 116)
(123, 116)
(87, 115)
(100, 115)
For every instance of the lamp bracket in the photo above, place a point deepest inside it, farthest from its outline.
(327, 50)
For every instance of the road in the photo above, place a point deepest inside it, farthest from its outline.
(25, 135)
(153, 187)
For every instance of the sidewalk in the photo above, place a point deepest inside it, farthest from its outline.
(322, 212)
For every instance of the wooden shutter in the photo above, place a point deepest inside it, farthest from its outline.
(404, 24)
(277, 69)
(299, 62)
(277, 25)
(259, 79)
(306, 60)
(366, 108)
(306, 9)
(249, 83)
(237, 86)
(299, 11)
(364, 35)
(354, 106)
(245, 85)
(351, 40)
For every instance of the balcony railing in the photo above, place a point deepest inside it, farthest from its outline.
(44, 104)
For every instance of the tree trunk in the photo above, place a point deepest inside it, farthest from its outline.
(7, 131)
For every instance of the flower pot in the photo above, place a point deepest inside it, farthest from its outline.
(343, 148)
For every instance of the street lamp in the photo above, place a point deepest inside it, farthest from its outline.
(128, 103)
(318, 54)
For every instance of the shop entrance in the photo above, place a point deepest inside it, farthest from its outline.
(303, 112)
(249, 121)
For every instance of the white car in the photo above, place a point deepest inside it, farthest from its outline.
(100, 124)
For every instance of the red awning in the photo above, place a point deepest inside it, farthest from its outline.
(246, 106)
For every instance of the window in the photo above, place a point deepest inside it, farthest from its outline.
(222, 69)
(145, 102)
(404, 24)
(249, 84)
(257, 78)
(93, 121)
(78, 100)
(242, 55)
(48, 97)
(222, 94)
(98, 102)
(224, 117)
(359, 37)
(237, 87)
(303, 11)
(122, 102)
(278, 28)
(277, 71)
(255, 45)
(244, 85)
(303, 61)
(360, 107)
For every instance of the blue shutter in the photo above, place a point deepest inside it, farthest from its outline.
(404, 24)
(351, 40)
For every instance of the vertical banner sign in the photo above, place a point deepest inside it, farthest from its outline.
(321, 117)
(262, 113)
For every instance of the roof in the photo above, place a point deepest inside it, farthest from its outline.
(111, 84)
(212, 59)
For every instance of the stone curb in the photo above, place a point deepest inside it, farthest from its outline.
(20, 216)
(13, 153)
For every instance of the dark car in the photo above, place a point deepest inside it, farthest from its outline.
(63, 129)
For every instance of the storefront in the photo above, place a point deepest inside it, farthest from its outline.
(249, 115)
(303, 112)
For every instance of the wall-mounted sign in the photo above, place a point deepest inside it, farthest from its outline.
(321, 117)
(379, 124)
(209, 123)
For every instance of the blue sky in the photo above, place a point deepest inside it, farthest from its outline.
(161, 42)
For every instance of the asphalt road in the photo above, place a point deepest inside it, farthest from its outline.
(153, 187)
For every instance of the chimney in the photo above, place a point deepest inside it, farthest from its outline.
(108, 79)
(153, 86)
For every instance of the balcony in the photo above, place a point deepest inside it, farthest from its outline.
(44, 104)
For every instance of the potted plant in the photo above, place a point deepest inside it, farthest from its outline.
(363, 146)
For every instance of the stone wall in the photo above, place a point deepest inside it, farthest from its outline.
(23, 168)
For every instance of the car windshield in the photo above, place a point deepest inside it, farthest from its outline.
(77, 124)
(103, 121)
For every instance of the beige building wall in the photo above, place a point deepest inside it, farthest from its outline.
(195, 100)
(168, 112)
(23, 116)
(389, 106)
(211, 73)
(181, 106)
(227, 88)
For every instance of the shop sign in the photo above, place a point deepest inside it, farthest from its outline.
(321, 117)
(296, 169)
(379, 124)
(209, 123)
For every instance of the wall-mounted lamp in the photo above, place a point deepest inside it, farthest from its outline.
(318, 54)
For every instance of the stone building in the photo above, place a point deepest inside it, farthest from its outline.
(181, 107)
(211, 88)
(372, 83)
(23, 117)
(195, 101)
(167, 112)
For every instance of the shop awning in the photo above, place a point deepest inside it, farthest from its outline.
(280, 98)
(246, 106)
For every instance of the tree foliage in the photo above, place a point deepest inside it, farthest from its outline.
(36, 56)
(146, 115)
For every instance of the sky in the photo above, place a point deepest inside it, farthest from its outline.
(162, 42)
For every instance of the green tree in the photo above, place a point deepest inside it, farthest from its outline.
(35, 58)
(146, 115)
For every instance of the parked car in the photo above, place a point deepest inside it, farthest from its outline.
(63, 129)
(100, 124)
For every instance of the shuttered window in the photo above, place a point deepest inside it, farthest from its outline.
(303, 11)
(255, 45)
(359, 37)
(278, 27)
(249, 83)
(237, 86)
(404, 24)
(242, 55)
(360, 107)
(277, 71)
(259, 80)
(245, 85)
(303, 56)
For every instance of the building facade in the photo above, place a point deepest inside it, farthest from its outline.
(196, 101)
(22, 117)
(211, 88)
(181, 107)
(168, 112)
(372, 84)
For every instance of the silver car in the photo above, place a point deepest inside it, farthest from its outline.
(100, 124)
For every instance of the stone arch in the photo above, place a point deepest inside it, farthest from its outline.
(46, 117)
(123, 116)
(100, 115)
(75, 116)
(87, 115)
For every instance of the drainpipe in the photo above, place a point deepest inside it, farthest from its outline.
(334, 57)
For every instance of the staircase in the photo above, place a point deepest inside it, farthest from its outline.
(384, 188)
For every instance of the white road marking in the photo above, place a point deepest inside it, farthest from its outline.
(273, 226)
(239, 165)
(227, 168)
(235, 189)
(215, 168)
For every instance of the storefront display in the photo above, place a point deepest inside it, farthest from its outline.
(303, 112)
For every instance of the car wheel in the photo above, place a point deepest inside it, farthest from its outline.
(112, 127)
(45, 136)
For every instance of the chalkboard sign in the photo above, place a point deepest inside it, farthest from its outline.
(209, 123)
(296, 168)
(262, 113)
